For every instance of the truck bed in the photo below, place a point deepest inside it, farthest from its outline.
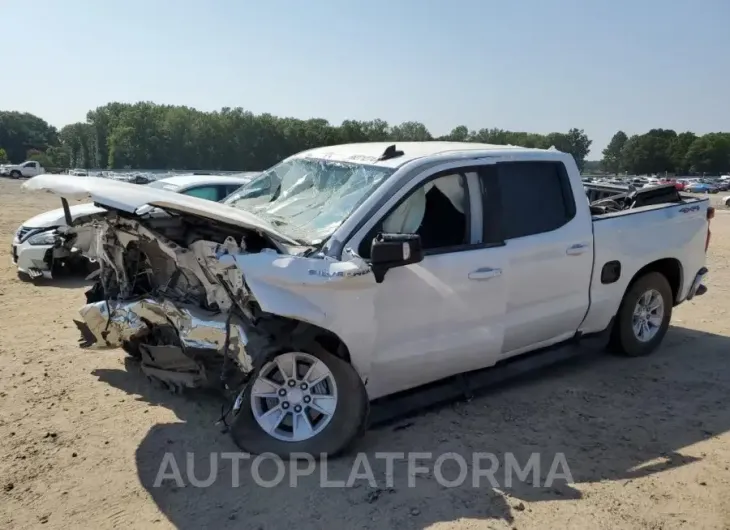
(639, 236)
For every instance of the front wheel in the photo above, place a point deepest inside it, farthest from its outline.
(24, 277)
(15, 174)
(644, 315)
(301, 403)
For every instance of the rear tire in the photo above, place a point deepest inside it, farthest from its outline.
(629, 336)
(347, 422)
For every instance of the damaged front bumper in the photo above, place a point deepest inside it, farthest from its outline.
(112, 324)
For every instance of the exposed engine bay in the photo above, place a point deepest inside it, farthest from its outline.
(169, 292)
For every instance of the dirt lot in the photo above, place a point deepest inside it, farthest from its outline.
(83, 434)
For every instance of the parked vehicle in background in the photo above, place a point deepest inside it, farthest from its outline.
(349, 273)
(78, 173)
(721, 185)
(133, 178)
(677, 184)
(27, 169)
(701, 187)
(43, 245)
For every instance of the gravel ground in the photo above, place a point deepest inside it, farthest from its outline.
(84, 434)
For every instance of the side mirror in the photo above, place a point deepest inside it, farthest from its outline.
(394, 250)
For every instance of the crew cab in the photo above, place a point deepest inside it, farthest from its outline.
(29, 168)
(42, 245)
(349, 273)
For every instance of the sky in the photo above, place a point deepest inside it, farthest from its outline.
(526, 65)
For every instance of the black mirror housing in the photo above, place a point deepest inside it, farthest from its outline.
(394, 250)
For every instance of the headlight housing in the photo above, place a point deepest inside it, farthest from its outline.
(44, 238)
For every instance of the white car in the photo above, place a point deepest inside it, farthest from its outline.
(29, 168)
(42, 243)
(349, 273)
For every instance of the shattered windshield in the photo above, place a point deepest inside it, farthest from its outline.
(308, 198)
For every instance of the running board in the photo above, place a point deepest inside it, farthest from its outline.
(384, 411)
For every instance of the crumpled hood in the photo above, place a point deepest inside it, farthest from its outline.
(130, 197)
(57, 217)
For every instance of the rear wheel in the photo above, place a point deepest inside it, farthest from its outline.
(301, 403)
(644, 315)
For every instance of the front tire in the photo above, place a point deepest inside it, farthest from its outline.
(300, 402)
(15, 174)
(643, 317)
(24, 277)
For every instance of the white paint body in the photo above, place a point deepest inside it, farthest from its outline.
(450, 313)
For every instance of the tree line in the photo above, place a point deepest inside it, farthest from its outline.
(150, 136)
(146, 135)
(666, 151)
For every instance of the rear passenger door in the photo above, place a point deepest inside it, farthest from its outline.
(549, 243)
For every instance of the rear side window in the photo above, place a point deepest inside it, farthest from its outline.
(536, 197)
(204, 192)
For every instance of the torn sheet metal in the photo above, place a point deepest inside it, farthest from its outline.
(118, 322)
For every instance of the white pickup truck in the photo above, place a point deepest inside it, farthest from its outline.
(349, 273)
(29, 168)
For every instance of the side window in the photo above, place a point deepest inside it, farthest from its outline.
(230, 189)
(535, 197)
(29, 164)
(437, 210)
(209, 193)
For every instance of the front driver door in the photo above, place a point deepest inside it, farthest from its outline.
(442, 316)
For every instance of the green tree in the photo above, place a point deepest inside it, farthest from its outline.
(3, 156)
(146, 135)
(410, 131)
(710, 153)
(678, 152)
(58, 157)
(612, 152)
(20, 132)
(41, 157)
(650, 153)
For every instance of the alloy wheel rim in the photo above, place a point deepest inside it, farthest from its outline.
(294, 397)
(648, 315)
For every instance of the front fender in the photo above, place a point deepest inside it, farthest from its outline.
(279, 301)
(335, 295)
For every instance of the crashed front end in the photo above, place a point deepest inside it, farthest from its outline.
(182, 357)
(169, 292)
(44, 252)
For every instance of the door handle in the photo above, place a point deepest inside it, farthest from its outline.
(577, 249)
(485, 273)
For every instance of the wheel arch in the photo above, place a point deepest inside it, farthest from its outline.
(670, 268)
